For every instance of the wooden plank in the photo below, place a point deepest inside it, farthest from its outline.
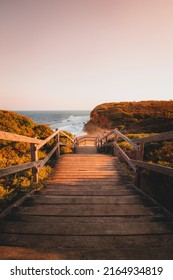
(99, 218)
(95, 187)
(17, 168)
(80, 221)
(149, 253)
(89, 192)
(85, 210)
(118, 181)
(51, 199)
(75, 182)
(18, 138)
(104, 228)
(115, 183)
(59, 177)
(87, 242)
(154, 167)
(54, 180)
(158, 137)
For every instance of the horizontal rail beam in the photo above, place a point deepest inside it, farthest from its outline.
(17, 168)
(85, 137)
(65, 144)
(134, 145)
(62, 132)
(38, 144)
(129, 161)
(43, 162)
(158, 137)
(108, 134)
(47, 140)
(18, 138)
(154, 167)
(126, 139)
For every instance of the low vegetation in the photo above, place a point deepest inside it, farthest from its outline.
(14, 153)
(133, 117)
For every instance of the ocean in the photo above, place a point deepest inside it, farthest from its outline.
(72, 121)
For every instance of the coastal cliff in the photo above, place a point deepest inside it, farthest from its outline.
(143, 116)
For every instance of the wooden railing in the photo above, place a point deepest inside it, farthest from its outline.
(138, 144)
(85, 139)
(35, 145)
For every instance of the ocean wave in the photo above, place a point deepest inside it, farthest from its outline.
(64, 120)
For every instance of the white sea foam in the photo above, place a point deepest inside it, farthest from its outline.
(72, 121)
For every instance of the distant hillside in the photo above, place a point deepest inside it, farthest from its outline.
(133, 117)
(16, 123)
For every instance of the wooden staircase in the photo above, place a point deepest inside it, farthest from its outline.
(88, 210)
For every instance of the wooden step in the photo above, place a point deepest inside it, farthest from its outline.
(88, 210)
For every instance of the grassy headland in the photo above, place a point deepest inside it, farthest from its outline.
(140, 119)
(133, 117)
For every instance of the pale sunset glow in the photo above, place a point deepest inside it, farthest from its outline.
(76, 54)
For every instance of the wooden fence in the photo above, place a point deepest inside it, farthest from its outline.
(111, 139)
(84, 140)
(35, 145)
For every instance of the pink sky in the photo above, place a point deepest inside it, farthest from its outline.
(76, 54)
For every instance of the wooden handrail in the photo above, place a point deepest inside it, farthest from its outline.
(126, 139)
(128, 160)
(36, 144)
(138, 144)
(84, 138)
(62, 132)
(18, 138)
(18, 168)
(43, 162)
(158, 137)
(154, 167)
(47, 139)
(118, 133)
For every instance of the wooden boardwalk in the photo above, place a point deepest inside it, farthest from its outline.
(88, 210)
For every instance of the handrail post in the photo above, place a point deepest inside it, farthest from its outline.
(106, 141)
(101, 145)
(34, 157)
(57, 142)
(115, 140)
(139, 156)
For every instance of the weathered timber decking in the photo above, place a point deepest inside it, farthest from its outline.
(88, 210)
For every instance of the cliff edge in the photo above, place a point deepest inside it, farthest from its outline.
(132, 117)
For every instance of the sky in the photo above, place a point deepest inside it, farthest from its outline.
(76, 54)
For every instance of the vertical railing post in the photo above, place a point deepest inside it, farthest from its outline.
(99, 147)
(57, 142)
(116, 141)
(106, 141)
(139, 156)
(34, 157)
(101, 143)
